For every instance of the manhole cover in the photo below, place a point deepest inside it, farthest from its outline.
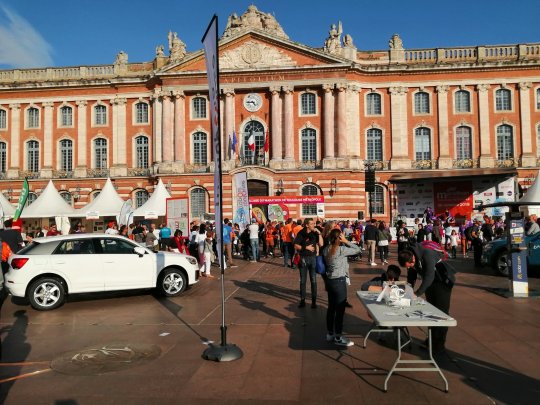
(105, 358)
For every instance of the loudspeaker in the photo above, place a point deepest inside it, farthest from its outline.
(361, 215)
(370, 181)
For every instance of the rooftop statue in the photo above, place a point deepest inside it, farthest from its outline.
(159, 50)
(253, 19)
(332, 44)
(177, 49)
(121, 58)
(395, 42)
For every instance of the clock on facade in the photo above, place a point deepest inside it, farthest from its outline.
(252, 102)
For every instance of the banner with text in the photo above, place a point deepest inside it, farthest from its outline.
(240, 200)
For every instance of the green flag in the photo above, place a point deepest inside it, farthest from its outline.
(22, 200)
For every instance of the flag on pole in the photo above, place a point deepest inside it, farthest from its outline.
(22, 200)
(234, 142)
(251, 142)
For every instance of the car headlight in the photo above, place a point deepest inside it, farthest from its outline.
(191, 260)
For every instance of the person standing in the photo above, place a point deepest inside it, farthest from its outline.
(402, 236)
(12, 237)
(150, 240)
(254, 240)
(383, 239)
(53, 231)
(111, 228)
(307, 243)
(227, 242)
(337, 272)
(370, 237)
(288, 250)
(476, 242)
(165, 234)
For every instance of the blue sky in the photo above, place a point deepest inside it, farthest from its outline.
(37, 33)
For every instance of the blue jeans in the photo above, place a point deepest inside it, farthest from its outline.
(255, 248)
(287, 253)
(337, 298)
(307, 265)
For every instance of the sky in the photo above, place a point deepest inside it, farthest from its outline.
(37, 33)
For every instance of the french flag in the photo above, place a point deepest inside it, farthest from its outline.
(251, 142)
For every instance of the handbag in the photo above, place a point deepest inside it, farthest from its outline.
(320, 265)
(296, 259)
(383, 242)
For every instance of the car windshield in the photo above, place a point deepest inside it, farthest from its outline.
(38, 248)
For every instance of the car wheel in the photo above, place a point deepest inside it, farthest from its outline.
(46, 294)
(501, 263)
(172, 282)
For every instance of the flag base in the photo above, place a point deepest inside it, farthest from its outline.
(228, 352)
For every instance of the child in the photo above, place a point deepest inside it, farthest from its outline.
(392, 274)
(454, 242)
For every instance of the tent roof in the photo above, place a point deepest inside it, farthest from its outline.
(533, 193)
(49, 204)
(156, 204)
(9, 210)
(107, 203)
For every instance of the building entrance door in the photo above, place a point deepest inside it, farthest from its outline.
(259, 188)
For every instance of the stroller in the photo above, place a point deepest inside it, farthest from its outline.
(357, 242)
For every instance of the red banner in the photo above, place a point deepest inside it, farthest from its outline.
(305, 199)
(455, 196)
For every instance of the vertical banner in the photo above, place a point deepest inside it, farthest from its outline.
(210, 42)
(22, 200)
(125, 211)
(241, 200)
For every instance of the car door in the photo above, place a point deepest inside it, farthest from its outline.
(533, 247)
(123, 268)
(76, 261)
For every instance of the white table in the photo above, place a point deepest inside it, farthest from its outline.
(399, 319)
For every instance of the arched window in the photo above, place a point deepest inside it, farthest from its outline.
(141, 152)
(308, 104)
(197, 200)
(31, 198)
(67, 197)
(374, 144)
(199, 107)
(422, 143)
(253, 141)
(503, 100)
(309, 209)
(66, 155)
(100, 115)
(100, 153)
(377, 200)
(309, 145)
(66, 116)
(32, 115)
(505, 142)
(32, 156)
(463, 143)
(421, 103)
(3, 157)
(462, 100)
(141, 196)
(537, 100)
(200, 149)
(141, 113)
(373, 101)
(3, 119)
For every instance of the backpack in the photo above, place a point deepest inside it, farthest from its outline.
(431, 245)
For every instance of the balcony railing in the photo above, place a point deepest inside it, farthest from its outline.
(139, 172)
(251, 161)
(511, 162)
(465, 163)
(424, 164)
(97, 172)
(63, 174)
(309, 165)
(29, 174)
(377, 164)
(196, 168)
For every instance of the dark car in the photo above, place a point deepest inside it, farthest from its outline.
(495, 254)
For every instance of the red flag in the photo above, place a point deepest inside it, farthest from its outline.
(251, 142)
(267, 142)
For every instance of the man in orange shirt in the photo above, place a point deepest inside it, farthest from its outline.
(286, 238)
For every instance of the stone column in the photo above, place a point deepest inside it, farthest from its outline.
(46, 170)
(276, 125)
(342, 151)
(16, 147)
(229, 123)
(486, 159)
(288, 127)
(82, 163)
(167, 137)
(445, 160)
(179, 128)
(400, 149)
(157, 118)
(353, 127)
(328, 126)
(119, 166)
(528, 158)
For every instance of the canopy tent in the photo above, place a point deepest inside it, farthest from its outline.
(532, 196)
(49, 204)
(7, 209)
(107, 203)
(156, 206)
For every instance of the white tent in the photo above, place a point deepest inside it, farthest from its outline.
(532, 195)
(7, 208)
(49, 204)
(156, 205)
(107, 203)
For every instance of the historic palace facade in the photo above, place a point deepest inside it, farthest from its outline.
(415, 115)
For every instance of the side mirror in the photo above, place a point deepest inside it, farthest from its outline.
(139, 250)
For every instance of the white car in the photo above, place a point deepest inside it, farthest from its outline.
(49, 268)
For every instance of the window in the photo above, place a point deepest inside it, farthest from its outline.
(197, 199)
(115, 246)
(100, 153)
(537, 104)
(421, 103)
(141, 113)
(377, 200)
(100, 115)
(32, 155)
(141, 197)
(32, 117)
(307, 103)
(67, 197)
(505, 142)
(373, 101)
(463, 143)
(199, 149)
(141, 152)
(309, 145)
(31, 198)
(74, 247)
(503, 100)
(462, 99)
(66, 116)
(66, 155)
(199, 107)
(3, 119)
(374, 144)
(3, 157)
(309, 209)
(422, 143)
(253, 130)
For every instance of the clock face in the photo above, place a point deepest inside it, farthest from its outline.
(252, 102)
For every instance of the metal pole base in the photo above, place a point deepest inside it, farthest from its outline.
(228, 352)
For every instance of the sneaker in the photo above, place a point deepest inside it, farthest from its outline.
(343, 341)
(233, 266)
(385, 261)
(373, 263)
(253, 261)
(329, 337)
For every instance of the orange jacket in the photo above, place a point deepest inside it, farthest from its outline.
(6, 251)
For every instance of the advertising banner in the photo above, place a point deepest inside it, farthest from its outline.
(177, 215)
(278, 212)
(455, 196)
(305, 199)
(414, 198)
(240, 200)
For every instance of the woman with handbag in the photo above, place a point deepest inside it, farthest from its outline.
(209, 255)
(383, 239)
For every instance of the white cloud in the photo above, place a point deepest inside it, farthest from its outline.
(20, 44)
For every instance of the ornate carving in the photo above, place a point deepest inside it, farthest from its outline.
(328, 87)
(442, 89)
(81, 103)
(160, 51)
(341, 86)
(15, 106)
(398, 90)
(288, 89)
(395, 42)
(354, 88)
(48, 104)
(121, 58)
(483, 87)
(525, 85)
(348, 41)
(332, 44)
(253, 19)
(177, 49)
(275, 89)
(178, 94)
(228, 91)
(119, 101)
(254, 54)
